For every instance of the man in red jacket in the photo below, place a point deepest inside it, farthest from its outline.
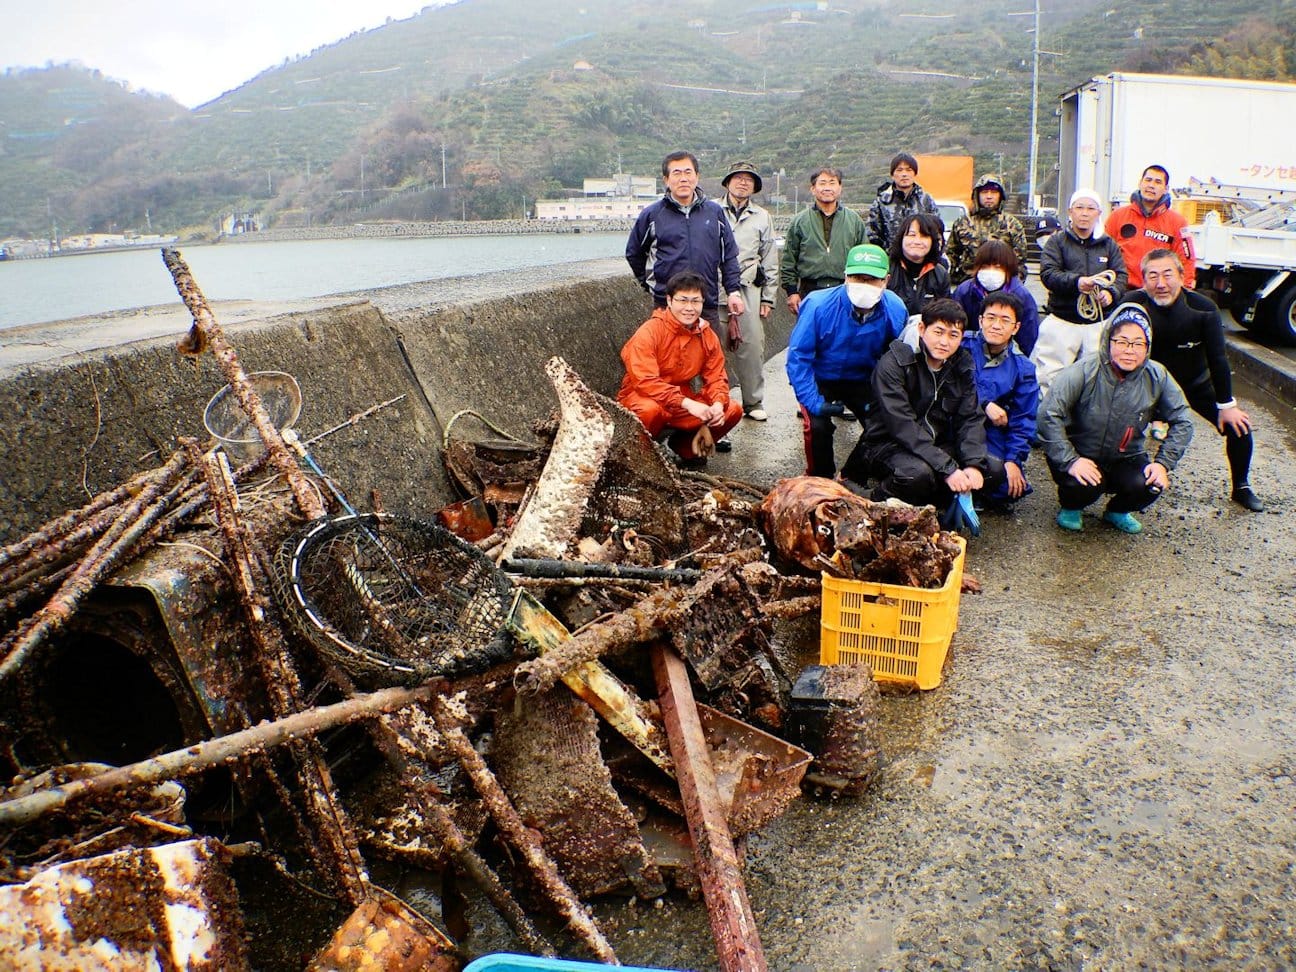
(1148, 223)
(662, 358)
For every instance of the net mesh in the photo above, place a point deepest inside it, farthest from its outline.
(393, 598)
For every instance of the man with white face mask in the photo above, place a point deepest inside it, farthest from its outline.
(840, 333)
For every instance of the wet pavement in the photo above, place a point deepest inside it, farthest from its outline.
(1106, 778)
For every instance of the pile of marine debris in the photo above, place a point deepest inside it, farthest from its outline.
(365, 709)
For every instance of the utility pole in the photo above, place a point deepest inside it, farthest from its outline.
(362, 187)
(1034, 124)
(443, 166)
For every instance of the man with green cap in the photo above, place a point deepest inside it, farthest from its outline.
(743, 335)
(839, 335)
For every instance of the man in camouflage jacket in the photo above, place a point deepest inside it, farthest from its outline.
(988, 221)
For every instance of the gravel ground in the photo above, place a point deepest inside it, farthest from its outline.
(1106, 778)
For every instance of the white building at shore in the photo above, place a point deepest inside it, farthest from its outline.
(621, 196)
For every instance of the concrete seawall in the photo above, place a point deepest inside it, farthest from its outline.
(92, 401)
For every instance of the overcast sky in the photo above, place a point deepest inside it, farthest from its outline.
(193, 52)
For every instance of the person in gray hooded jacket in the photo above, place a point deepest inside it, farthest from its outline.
(1093, 425)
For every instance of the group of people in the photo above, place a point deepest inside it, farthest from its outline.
(941, 354)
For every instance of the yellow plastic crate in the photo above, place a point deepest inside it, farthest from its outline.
(902, 633)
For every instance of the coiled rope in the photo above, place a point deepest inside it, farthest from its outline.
(1090, 305)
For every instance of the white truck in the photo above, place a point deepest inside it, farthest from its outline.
(1220, 139)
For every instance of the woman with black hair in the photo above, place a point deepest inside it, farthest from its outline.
(918, 270)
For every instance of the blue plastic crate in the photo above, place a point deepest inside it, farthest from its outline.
(531, 963)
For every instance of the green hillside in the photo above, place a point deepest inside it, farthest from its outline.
(523, 97)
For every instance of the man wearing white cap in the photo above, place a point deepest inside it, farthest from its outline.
(1084, 273)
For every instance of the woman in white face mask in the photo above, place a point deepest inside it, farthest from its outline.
(994, 268)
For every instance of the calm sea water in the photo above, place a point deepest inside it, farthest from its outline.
(32, 291)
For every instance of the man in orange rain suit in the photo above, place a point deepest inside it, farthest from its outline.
(662, 359)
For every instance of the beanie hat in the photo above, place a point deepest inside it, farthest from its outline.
(906, 158)
(1089, 194)
(1130, 313)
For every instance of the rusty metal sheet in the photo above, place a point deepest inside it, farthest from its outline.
(733, 925)
(546, 754)
(169, 907)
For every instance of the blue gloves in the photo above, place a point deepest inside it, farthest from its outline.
(832, 408)
(961, 515)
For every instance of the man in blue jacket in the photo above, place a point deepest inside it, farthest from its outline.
(686, 231)
(1008, 392)
(839, 335)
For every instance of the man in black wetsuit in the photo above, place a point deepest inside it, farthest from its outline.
(1188, 338)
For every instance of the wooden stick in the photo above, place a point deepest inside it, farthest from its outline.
(216, 752)
(103, 558)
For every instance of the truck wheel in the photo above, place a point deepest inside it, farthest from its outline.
(1280, 315)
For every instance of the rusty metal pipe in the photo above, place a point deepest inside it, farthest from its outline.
(207, 333)
(733, 925)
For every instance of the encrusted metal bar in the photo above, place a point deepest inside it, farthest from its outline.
(733, 925)
(208, 334)
(339, 856)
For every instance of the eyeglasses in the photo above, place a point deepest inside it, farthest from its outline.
(688, 301)
(997, 319)
(1129, 345)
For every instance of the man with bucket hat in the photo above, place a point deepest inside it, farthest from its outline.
(743, 336)
(839, 335)
(987, 221)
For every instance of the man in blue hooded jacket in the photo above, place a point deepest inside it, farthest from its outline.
(839, 335)
(686, 231)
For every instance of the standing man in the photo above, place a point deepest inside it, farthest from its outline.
(1148, 223)
(819, 239)
(896, 199)
(1085, 275)
(683, 230)
(838, 338)
(1189, 340)
(758, 268)
(987, 221)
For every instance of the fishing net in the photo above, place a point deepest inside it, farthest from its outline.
(393, 599)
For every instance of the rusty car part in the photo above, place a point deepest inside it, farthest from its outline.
(167, 907)
(737, 939)
(835, 714)
(526, 842)
(548, 524)
(207, 333)
(385, 933)
(642, 621)
(393, 599)
(610, 697)
(546, 754)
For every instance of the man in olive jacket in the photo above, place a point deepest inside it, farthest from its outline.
(814, 254)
